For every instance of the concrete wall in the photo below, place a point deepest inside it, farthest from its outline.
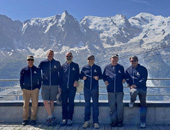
(158, 113)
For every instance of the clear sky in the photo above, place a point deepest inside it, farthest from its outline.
(27, 9)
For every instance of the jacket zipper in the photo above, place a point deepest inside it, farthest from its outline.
(50, 72)
(91, 79)
(31, 77)
(68, 77)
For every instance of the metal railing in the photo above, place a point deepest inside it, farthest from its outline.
(15, 91)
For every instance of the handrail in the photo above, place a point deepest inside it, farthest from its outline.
(17, 95)
(147, 79)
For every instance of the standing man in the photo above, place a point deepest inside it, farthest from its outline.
(51, 74)
(114, 77)
(91, 73)
(70, 82)
(136, 77)
(30, 82)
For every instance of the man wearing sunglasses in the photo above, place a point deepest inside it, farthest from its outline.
(30, 82)
(70, 74)
(114, 77)
(136, 77)
(91, 73)
(51, 74)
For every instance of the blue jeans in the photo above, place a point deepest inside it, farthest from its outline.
(68, 96)
(94, 94)
(142, 97)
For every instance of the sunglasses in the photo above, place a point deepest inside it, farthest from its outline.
(68, 56)
(30, 60)
(133, 61)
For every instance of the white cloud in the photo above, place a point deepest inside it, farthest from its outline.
(146, 2)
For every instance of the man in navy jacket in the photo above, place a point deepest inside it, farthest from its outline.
(114, 77)
(91, 73)
(136, 77)
(30, 82)
(51, 74)
(70, 74)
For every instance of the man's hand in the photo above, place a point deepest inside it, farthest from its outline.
(96, 77)
(75, 84)
(84, 78)
(133, 86)
(59, 89)
(123, 81)
(106, 83)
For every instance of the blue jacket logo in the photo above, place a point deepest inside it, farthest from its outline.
(35, 72)
(73, 69)
(119, 71)
(95, 70)
(55, 66)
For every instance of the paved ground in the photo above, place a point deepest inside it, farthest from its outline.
(18, 126)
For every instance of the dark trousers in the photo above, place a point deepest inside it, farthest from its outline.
(142, 98)
(94, 94)
(68, 96)
(116, 105)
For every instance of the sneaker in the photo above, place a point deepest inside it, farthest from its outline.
(69, 122)
(96, 125)
(48, 122)
(25, 122)
(113, 124)
(53, 121)
(86, 124)
(120, 124)
(143, 125)
(33, 122)
(64, 122)
(131, 104)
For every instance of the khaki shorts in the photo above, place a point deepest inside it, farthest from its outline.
(49, 93)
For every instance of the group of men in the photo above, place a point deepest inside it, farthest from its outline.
(55, 78)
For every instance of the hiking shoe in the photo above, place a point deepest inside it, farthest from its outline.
(33, 122)
(143, 125)
(113, 124)
(63, 122)
(86, 124)
(48, 122)
(96, 125)
(69, 122)
(120, 124)
(25, 122)
(53, 121)
(131, 104)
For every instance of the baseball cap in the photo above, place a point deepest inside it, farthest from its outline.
(30, 57)
(90, 56)
(115, 55)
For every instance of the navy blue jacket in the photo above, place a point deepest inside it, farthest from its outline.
(70, 74)
(114, 75)
(90, 72)
(30, 78)
(137, 76)
(51, 72)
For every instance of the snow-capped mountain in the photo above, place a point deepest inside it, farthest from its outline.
(144, 35)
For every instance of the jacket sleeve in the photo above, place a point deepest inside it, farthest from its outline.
(143, 79)
(22, 78)
(39, 77)
(123, 73)
(60, 75)
(82, 74)
(128, 78)
(77, 73)
(100, 73)
(104, 75)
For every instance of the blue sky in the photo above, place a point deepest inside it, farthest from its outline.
(27, 9)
